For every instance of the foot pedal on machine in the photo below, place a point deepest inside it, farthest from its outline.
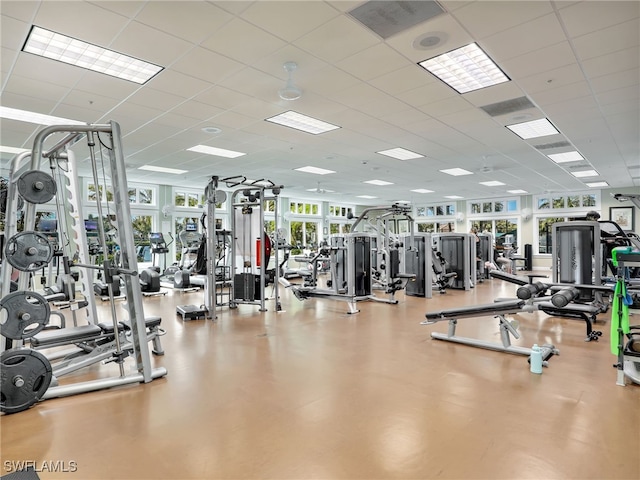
(191, 312)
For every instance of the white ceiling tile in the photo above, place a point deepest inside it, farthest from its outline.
(542, 60)
(619, 61)
(289, 20)
(490, 17)
(616, 81)
(150, 45)
(582, 18)
(570, 91)
(552, 79)
(191, 21)
(607, 40)
(373, 62)
(231, 40)
(401, 80)
(206, 65)
(47, 70)
(149, 97)
(327, 41)
(523, 39)
(177, 83)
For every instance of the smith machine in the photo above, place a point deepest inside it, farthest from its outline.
(248, 245)
(28, 375)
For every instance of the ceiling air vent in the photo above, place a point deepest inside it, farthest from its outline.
(508, 106)
(547, 146)
(388, 18)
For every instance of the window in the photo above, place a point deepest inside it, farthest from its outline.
(571, 201)
(433, 227)
(137, 194)
(188, 199)
(304, 234)
(500, 206)
(303, 208)
(339, 228)
(545, 243)
(499, 227)
(443, 210)
(340, 211)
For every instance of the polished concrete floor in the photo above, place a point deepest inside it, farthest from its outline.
(314, 393)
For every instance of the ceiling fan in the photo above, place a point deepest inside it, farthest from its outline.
(320, 190)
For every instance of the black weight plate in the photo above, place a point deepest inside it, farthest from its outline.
(26, 376)
(29, 251)
(23, 314)
(36, 186)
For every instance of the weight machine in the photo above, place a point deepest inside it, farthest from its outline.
(27, 375)
(247, 245)
(359, 261)
(459, 252)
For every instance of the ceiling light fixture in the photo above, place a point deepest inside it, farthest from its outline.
(454, 197)
(492, 183)
(75, 52)
(314, 170)
(465, 69)
(456, 172)
(517, 191)
(152, 168)
(290, 91)
(566, 157)
(380, 183)
(585, 173)
(422, 190)
(218, 152)
(533, 129)
(368, 197)
(302, 122)
(597, 184)
(37, 118)
(400, 154)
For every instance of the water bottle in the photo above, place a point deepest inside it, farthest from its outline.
(535, 360)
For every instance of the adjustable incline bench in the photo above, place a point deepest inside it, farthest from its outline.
(497, 309)
(561, 301)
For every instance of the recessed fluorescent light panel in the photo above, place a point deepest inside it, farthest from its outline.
(456, 172)
(218, 152)
(585, 173)
(314, 170)
(422, 190)
(378, 182)
(453, 197)
(400, 154)
(517, 191)
(302, 122)
(566, 157)
(37, 118)
(151, 168)
(492, 183)
(597, 184)
(92, 57)
(465, 69)
(533, 129)
(368, 197)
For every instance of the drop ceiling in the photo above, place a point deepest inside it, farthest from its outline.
(575, 63)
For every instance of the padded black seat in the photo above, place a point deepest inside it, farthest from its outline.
(66, 335)
(477, 310)
(150, 322)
